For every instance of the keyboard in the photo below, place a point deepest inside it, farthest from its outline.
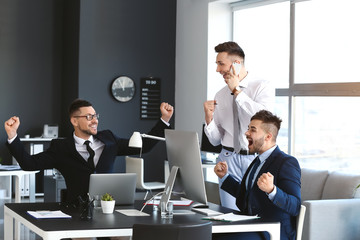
(206, 211)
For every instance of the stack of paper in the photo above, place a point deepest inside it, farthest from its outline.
(48, 214)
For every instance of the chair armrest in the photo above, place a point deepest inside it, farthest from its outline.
(332, 219)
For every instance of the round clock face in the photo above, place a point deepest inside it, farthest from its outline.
(123, 89)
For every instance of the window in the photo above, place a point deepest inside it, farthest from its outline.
(265, 40)
(309, 50)
(327, 40)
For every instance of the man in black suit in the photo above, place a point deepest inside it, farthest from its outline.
(71, 155)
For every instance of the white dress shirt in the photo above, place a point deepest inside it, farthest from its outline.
(95, 144)
(257, 94)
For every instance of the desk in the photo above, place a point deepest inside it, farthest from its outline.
(116, 224)
(18, 176)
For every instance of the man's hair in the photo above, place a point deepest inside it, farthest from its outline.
(271, 122)
(77, 104)
(231, 48)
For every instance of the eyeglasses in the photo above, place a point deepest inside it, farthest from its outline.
(90, 117)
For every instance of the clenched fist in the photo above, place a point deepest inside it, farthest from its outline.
(11, 126)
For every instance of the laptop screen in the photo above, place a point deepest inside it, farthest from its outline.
(121, 186)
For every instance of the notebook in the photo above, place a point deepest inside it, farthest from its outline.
(121, 186)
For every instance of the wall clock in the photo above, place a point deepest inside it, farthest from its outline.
(123, 89)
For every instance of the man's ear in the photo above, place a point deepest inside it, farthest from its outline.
(268, 136)
(73, 121)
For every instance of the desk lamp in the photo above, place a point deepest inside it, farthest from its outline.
(136, 140)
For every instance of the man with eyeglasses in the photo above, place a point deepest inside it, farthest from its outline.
(87, 151)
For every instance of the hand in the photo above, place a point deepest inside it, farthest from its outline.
(209, 108)
(166, 111)
(232, 78)
(221, 169)
(11, 126)
(266, 182)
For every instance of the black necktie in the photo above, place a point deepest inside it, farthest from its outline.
(251, 175)
(92, 154)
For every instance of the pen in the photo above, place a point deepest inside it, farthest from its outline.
(218, 220)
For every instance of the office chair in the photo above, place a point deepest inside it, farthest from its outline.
(172, 231)
(300, 222)
(136, 165)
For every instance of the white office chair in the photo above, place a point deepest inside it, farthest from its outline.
(300, 222)
(136, 165)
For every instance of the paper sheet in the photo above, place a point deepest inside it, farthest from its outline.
(231, 217)
(48, 214)
(132, 212)
(175, 202)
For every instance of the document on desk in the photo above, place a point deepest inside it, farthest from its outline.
(48, 214)
(230, 217)
(9, 167)
(175, 202)
(132, 213)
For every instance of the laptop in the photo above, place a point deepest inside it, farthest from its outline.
(121, 186)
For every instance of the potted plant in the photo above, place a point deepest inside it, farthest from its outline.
(107, 203)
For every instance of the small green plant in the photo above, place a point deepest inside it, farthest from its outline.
(107, 197)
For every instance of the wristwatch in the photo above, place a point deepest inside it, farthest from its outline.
(236, 89)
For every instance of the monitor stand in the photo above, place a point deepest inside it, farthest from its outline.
(168, 190)
(169, 185)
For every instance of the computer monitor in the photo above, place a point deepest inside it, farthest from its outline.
(183, 152)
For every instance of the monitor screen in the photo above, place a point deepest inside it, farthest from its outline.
(183, 152)
(206, 146)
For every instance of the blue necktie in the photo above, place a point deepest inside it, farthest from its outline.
(253, 170)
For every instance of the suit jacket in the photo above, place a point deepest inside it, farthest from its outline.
(63, 156)
(286, 204)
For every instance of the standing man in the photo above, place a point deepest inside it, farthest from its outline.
(271, 185)
(228, 115)
(87, 151)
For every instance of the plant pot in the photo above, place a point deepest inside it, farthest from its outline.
(107, 206)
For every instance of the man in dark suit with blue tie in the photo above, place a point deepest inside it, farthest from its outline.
(271, 185)
(87, 151)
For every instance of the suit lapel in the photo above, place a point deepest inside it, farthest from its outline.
(71, 145)
(269, 160)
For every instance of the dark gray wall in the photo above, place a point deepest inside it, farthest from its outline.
(134, 38)
(54, 51)
(30, 71)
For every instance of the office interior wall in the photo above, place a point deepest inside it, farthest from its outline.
(30, 67)
(132, 38)
(191, 64)
(201, 25)
(55, 51)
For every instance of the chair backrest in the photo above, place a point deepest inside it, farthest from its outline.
(173, 231)
(300, 222)
(136, 165)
